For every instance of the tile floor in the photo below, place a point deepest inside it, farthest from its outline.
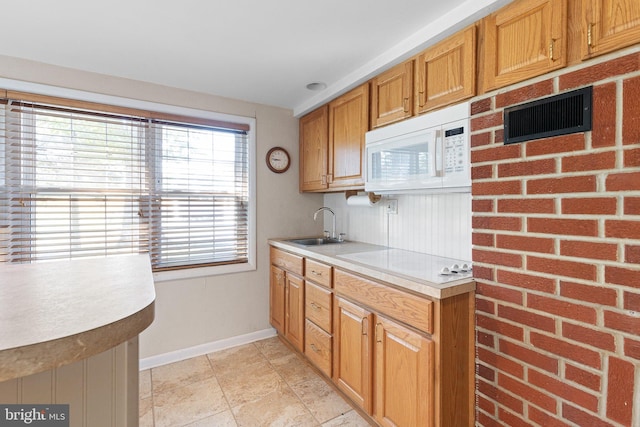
(259, 384)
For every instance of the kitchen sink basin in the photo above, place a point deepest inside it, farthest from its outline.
(314, 241)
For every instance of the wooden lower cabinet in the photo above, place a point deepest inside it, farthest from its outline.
(352, 361)
(403, 376)
(400, 393)
(276, 298)
(404, 359)
(286, 296)
(294, 311)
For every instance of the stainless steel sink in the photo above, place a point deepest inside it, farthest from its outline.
(314, 241)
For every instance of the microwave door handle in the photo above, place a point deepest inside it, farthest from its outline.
(438, 153)
(431, 146)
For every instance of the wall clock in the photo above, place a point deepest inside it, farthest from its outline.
(278, 160)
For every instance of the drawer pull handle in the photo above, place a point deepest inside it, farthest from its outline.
(316, 273)
(314, 348)
(315, 306)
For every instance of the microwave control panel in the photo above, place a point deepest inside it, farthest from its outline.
(455, 150)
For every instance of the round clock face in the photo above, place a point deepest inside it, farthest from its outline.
(278, 159)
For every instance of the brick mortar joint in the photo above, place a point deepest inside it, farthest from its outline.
(617, 335)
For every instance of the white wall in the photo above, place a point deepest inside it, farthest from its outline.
(198, 311)
(438, 224)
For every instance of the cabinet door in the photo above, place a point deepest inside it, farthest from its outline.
(446, 72)
(352, 358)
(294, 311)
(314, 150)
(524, 39)
(404, 379)
(610, 25)
(276, 298)
(348, 122)
(392, 95)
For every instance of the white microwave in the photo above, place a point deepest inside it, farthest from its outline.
(428, 153)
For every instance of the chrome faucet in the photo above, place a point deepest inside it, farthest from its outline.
(324, 208)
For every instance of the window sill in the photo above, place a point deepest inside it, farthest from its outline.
(190, 273)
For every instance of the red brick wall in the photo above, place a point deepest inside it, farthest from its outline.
(556, 235)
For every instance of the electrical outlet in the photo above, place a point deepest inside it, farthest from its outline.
(392, 207)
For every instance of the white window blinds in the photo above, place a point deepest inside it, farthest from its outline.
(78, 182)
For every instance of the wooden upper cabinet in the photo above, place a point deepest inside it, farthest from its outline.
(446, 72)
(314, 150)
(609, 25)
(392, 95)
(524, 39)
(348, 123)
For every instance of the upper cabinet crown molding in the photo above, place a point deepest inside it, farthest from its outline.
(609, 25)
(523, 40)
(446, 72)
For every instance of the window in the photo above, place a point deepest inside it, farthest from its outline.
(82, 180)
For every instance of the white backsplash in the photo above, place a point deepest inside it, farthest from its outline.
(438, 224)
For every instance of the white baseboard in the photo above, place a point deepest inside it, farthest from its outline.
(199, 350)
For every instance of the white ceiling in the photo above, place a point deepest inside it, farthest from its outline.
(254, 50)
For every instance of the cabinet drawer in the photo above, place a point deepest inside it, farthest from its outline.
(318, 272)
(402, 306)
(287, 261)
(319, 303)
(318, 347)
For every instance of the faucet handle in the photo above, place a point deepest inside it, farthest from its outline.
(326, 234)
(341, 237)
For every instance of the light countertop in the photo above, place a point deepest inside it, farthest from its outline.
(413, 271)
(55, 313)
